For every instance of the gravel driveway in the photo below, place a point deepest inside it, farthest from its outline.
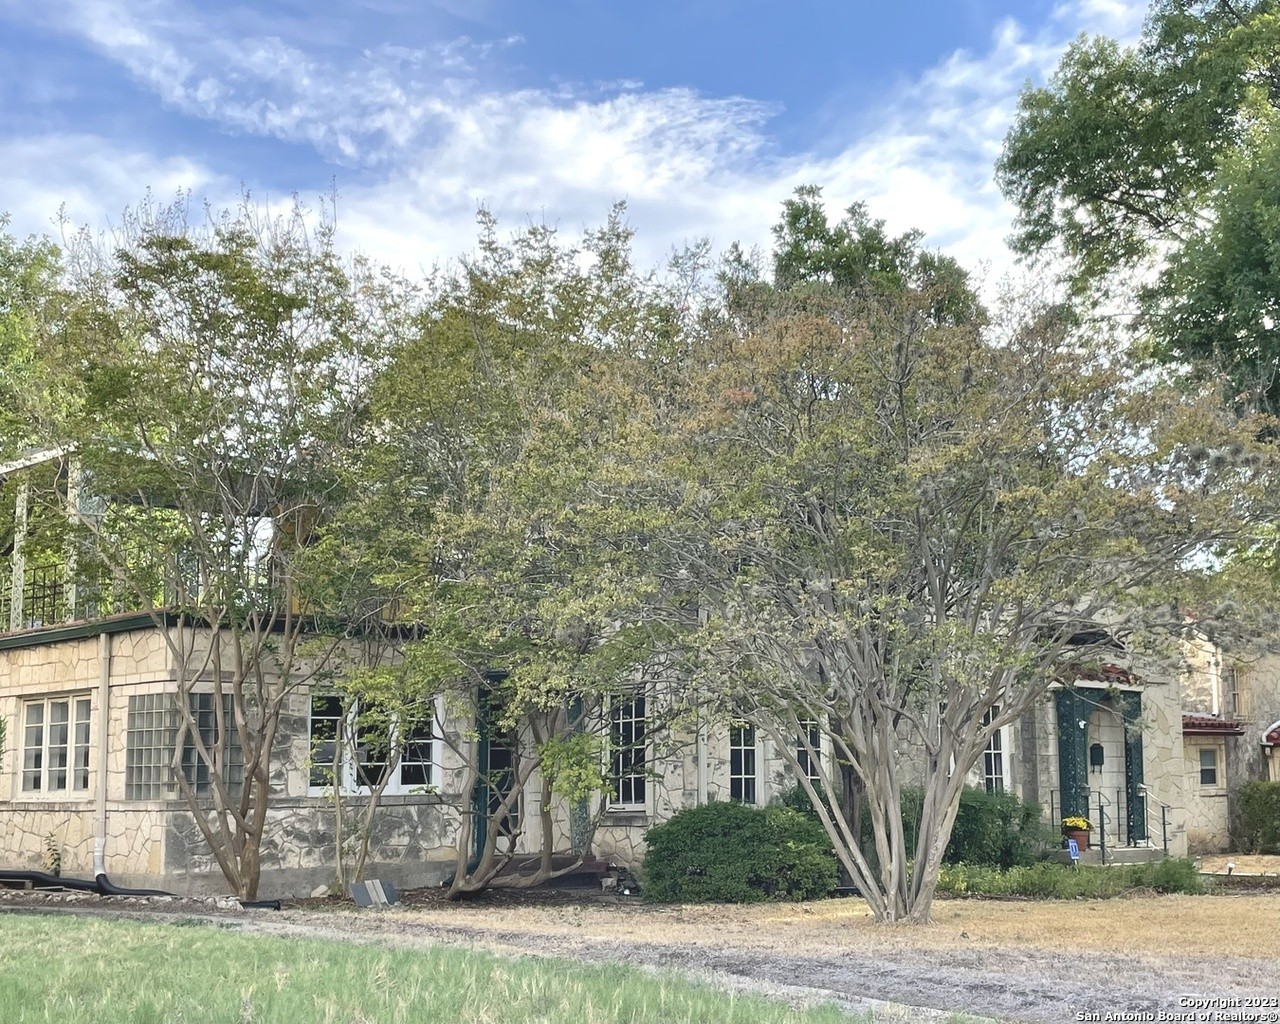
(910, 974)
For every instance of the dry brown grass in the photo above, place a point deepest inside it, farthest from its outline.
(1243, 925)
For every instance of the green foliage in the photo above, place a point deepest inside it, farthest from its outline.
(997, 830)
(34, 306)
(572, 764)
(1258, 817)
(1051, 880)
(1166, 149)
(857, 257)
(733, 853)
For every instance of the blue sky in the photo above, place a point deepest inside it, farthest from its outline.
(702, 114)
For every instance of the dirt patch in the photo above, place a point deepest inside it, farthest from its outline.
(1244, 864)
(1009, 960)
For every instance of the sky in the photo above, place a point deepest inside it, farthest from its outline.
(702, 115)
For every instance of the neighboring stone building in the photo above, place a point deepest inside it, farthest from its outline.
(1231, 734)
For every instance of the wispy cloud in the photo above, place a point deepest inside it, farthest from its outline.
(433, 132)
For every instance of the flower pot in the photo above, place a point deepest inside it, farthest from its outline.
(1081, 836)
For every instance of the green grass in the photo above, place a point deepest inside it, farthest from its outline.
(65, 969)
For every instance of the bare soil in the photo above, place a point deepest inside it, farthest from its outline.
(1012, 960)
(1243, 864)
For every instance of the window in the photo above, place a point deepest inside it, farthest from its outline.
(152, 733)
(1208, 766)
(55, 745)
(810, 765)
(742, 763)
(1239, 704)
(993, 755)
(366, 762)
(628, 754)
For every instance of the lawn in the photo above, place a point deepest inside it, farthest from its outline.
(73, 969)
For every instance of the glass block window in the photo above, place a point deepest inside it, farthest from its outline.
(627, 773)
(151, 736)
(810, 764)
(55, 745)
(195, 768)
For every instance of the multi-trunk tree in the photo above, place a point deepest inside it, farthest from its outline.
(902, 525)
(490, 514)
(225, 368)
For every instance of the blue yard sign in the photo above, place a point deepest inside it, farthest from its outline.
(1073, 848)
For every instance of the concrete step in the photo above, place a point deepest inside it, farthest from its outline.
(1115, 855)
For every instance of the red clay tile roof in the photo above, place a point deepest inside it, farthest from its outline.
(1210, 725)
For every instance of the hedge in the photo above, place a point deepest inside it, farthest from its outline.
(1258, 810)
(733, 853)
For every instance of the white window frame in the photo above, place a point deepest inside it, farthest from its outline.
(44, 769)
(810, 767)
(756, 758)
(614, 720)
(349, 781)
(997, 746)
(1216, 767)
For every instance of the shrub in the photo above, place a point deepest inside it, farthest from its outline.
(732, 853)
(1258, 816)
(1050, 880)
(994, 829)
(998, 830)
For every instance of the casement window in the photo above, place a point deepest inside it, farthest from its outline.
(993, 759)
(627, 753)
(742, 763)
(55, 745)
(1208, 766)
(366, 758)
(810, 764)
(151, 736)
(502, 777)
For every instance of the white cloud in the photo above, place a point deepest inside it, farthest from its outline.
(434, 139)
(91, 180)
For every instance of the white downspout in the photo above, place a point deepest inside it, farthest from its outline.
(104, 721)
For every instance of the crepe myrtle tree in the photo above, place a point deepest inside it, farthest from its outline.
(491, 511)
(902, 527)
(224, 369)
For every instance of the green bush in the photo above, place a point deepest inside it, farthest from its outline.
(997, 830)
(1050, 880)
(994, 829)
(732, 853)
(1258, 816)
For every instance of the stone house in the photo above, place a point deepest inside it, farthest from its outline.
(1231, 734)
(87, 699)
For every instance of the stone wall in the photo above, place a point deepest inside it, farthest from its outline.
(1207, 809)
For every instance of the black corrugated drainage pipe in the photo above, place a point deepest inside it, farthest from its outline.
(102, 885)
